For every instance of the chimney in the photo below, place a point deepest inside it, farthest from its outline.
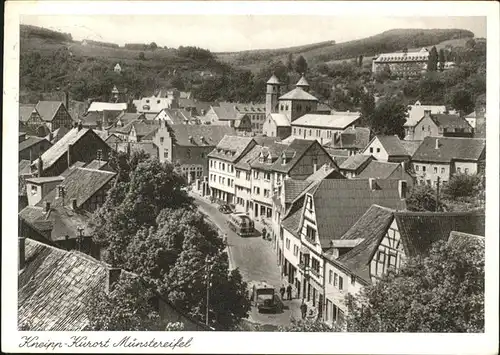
(112, 277)
(371, 183)
(70, 146)
(73, 204)
(99, 125)
(40, 167)
(402, 188)
(437, 143)
(22, 252)
(80, 125)
(47, 206)
(427, 113)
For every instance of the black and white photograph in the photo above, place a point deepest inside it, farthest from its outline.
(264, 174)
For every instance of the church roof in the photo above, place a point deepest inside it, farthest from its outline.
(298, 94)
(273, 80)
(302, 82)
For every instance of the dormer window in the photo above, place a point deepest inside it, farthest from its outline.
(283, 160)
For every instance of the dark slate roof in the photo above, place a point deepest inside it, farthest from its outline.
(326, 171)
(78, 164)
(273, 80)
(55, 286)
(202, 135)
(48, 109)
(339, 203)
(378, 170)
(450, 149)
(82, 184)
(141, 127)
(24, 167)
(353, 138)
(371, 228)
(31, 141)
(451, 121)
(354, 162)
(292, 220)
(411, 146)
(230, 148)
(40, 130)
(60, 148)
(248, 158)
(271, 154)
(293, 188)
(298, 94)
(113, 138)
(263, 140)
(460, 239)
(59, 221)
(294, 152)
(25, 112)
(419, 230)
(59, 133)
(96, 164)
(393, 146)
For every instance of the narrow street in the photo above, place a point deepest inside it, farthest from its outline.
(256, 260)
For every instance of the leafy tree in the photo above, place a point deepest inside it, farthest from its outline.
(300, 65)
(433, 60)
(442, 59)
(461, 100)
(388, 117)
(153, 46)
(289, 62)
(383, 75)
(360, 61)
(443, 292)
(128, 307)
(463, 185)
(422, 198)
(141, 56)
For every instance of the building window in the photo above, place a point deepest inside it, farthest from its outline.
(238, 173)
(318, 133)
(256, 190)
(353, 280)
(300, 131)
(424, 168)
(335, 279)
(288, 243)
(371, 149)
(310, 235)
(223, 167)
(255, 174)
(211, 163)
(247, 175)
(459, 170)
(330, 277)
(161, 140)
(378, 150)
(266, 193)
(310, 132)
(267, 176)
(392, 261)
(435, 170)
(295, 250)
(417, 168)
(309, 203)
(165, 153)
(295, 131)
(442, 170)
(341, 283)
(203, 154)
(466, 170)
(34, 190)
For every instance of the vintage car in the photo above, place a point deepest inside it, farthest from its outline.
(241, 224)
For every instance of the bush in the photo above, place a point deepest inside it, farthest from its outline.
(463, 185)
(421, 199)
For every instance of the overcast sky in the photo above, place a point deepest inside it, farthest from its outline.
(239, 32)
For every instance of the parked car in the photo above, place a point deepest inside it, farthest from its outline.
(225, 209)
(264, 297)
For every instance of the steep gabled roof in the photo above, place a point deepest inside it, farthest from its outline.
(451, 121)
(355, 162)
(201, 135)
(294, 152)
(293, 188)
(419, 230)
(248, 158)
(410, 146)
(339, 203)
(392, 145)
(31, 141)
(80, 184)
(48, 109)
(378, 170)
(460, 239)
(352, 137)
(449, 149)
(370, 228)
(298, 94)
(273, 80)
(25, 112)
(230, 148)
(60, 148)
(280, 119)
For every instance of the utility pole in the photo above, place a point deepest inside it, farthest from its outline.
(437, 194)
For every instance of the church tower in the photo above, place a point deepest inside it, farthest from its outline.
(303, 84)
(272, 92)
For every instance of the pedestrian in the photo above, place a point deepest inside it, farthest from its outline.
(303, 309)
(264, 232)
(289, 291)
(282, 291)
